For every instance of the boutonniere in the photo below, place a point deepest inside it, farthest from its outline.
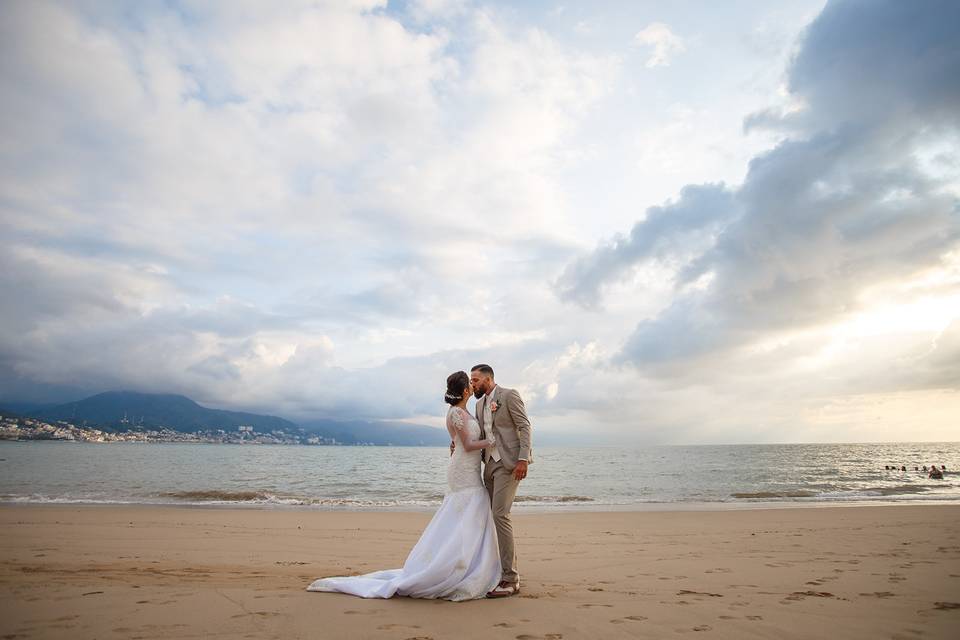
(494, 406)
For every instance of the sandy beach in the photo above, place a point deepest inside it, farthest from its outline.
(168, 572)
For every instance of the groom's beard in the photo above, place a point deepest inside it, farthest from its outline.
(477, 393)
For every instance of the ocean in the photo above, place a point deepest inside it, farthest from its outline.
(412, 478)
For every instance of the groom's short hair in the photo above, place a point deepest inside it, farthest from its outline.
(483, 368)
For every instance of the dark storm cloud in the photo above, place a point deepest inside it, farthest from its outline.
(842, 203)
(666, 233)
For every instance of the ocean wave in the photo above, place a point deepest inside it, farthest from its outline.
(898, 490)
(553, 499)
(266, 498)
(219, 496)
(39, 499)
(775, 494)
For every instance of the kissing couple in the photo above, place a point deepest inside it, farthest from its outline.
(466, 551)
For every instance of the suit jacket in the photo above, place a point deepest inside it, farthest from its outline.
(511, 427)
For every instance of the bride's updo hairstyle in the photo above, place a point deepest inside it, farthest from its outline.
(456, 385)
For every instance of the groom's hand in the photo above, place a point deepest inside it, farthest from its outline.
(520, 471)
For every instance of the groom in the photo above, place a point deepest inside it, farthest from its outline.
(500, 412)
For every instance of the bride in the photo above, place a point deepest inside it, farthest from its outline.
(457, 557)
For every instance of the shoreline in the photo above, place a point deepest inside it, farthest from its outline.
(646, 507)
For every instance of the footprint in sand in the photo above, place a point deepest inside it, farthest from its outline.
(879, 594)
(391, 627)
(350, 612)
(945, 606)
(589, 605)
(719, 570)
(800, 595)
(628, 619)
(685, 592)
(505, 625)
(754, 617)
(703, 627)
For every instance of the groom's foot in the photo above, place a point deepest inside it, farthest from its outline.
(504, 590)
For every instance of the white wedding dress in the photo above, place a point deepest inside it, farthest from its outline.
(457, 557)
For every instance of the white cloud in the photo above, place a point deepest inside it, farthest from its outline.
(665, 43)
(321, 209)
(794, 257)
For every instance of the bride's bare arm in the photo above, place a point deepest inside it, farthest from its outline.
(457, 424)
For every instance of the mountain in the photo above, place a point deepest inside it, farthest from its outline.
(16, 408)
(121, 410)
(395, 433)
(124, 410)
(7, 413)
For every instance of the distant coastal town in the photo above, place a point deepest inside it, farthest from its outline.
(17, 428)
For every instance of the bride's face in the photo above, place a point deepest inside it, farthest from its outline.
(468, 391)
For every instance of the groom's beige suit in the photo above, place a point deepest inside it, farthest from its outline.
(501, 413)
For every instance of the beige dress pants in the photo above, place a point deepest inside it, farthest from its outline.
(502, 488)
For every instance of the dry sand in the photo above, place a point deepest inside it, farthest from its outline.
(166, 572)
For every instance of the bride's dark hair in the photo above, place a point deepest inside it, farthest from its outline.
(456, 384)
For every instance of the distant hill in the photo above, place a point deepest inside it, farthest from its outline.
(23, 408)
(395, 433)
(7, 413)
(126, 410)
(122, 410)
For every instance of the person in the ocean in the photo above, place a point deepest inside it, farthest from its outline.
(935, 473)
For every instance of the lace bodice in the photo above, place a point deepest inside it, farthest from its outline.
(463, 471)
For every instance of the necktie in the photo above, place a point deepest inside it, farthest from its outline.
(488, 420)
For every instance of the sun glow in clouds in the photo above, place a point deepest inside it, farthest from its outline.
(662, 225)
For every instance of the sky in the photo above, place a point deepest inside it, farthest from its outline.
(686, 223)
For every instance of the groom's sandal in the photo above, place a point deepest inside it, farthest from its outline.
(504, 590)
